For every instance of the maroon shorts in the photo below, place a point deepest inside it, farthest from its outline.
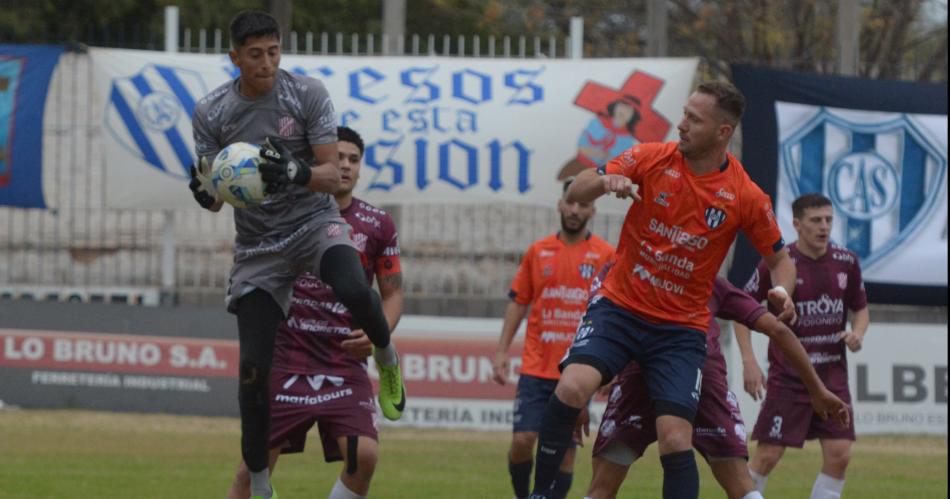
(787, 421)
(341, 407)
(718, 430)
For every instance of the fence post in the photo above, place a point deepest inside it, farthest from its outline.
(168, 216)
(577, 38)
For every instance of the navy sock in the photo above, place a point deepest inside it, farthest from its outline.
(554, 438)
(680, 475)
(562, 485)
(521, 477)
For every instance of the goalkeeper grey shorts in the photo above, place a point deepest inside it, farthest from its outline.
(275, 267)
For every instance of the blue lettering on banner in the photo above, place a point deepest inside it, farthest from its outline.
(441, 115)
(535, 92)
(481, 81)
(388, 165)
(431, 90)
(358, 85)
(884, 195)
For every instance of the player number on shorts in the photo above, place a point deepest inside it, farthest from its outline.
(776, 431)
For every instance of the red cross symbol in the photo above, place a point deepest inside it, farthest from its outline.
(639, 90)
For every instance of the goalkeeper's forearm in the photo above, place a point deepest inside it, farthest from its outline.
(324, 177)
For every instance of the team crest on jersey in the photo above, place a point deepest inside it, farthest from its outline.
(150, 112)
(842, 280)
(587, 270)
(359, 239)
(286, 126)
(884, 175)
(714, 217)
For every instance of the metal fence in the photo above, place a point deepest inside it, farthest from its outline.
(461, 252)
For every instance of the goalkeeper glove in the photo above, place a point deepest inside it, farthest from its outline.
(280, 167)
(201, 188)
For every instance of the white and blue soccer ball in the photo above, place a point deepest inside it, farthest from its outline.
(235, 177)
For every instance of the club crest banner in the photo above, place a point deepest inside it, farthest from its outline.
(877, 149)
(436, 129)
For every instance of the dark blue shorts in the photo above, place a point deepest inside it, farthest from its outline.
(531, 400)
(672, 357)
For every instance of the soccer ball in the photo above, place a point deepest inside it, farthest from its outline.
(235, 177)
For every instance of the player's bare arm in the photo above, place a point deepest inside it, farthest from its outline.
(325, 173)
(826, 404)
(753, 380)
(783, 273)
(590, 185)
(514, 314)
(860, 320)
(357, 343)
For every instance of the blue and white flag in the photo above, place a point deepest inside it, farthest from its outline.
(149, 113)
(877, 149)
(25, 73)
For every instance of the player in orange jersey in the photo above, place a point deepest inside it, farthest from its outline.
(553, 279)
(691, 199)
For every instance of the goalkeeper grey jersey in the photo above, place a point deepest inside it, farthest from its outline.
(297, 110)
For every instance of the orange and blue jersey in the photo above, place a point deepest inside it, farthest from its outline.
(554, 279)
(674, 240)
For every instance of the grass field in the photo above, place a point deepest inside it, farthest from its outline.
(80, 455)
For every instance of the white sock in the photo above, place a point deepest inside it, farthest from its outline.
(759, 480)
(260, 483)
(340, 491)
(827, 487)
(755, 494)
(386, 356)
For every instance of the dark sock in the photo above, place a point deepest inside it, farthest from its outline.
(562, 485)
(680, 475)
(554, 438)
(340, 269)
(258, 317)
(521, 478)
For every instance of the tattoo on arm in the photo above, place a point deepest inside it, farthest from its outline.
(390, 281)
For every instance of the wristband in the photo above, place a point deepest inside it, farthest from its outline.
(780, 289)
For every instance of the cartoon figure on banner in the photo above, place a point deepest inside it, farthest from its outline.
(149, 113)
(624, 118)
(882, 192)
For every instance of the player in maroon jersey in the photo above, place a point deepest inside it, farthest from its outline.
(320, 367)
(829, 285)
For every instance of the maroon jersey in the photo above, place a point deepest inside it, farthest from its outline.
(309, 340)
(826, 289)
(732, 304)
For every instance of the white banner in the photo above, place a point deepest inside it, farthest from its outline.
(436, 129)
(898, 379)
(886, 174)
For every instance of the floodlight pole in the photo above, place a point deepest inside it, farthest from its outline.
(168, 223)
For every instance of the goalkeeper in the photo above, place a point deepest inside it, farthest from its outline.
(297, 229)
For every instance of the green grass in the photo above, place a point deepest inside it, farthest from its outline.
(78, 454)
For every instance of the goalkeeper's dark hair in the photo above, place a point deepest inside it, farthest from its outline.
(810, 200)
(347, 134)
(252, 24)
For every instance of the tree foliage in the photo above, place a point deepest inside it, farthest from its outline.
(899, 39)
